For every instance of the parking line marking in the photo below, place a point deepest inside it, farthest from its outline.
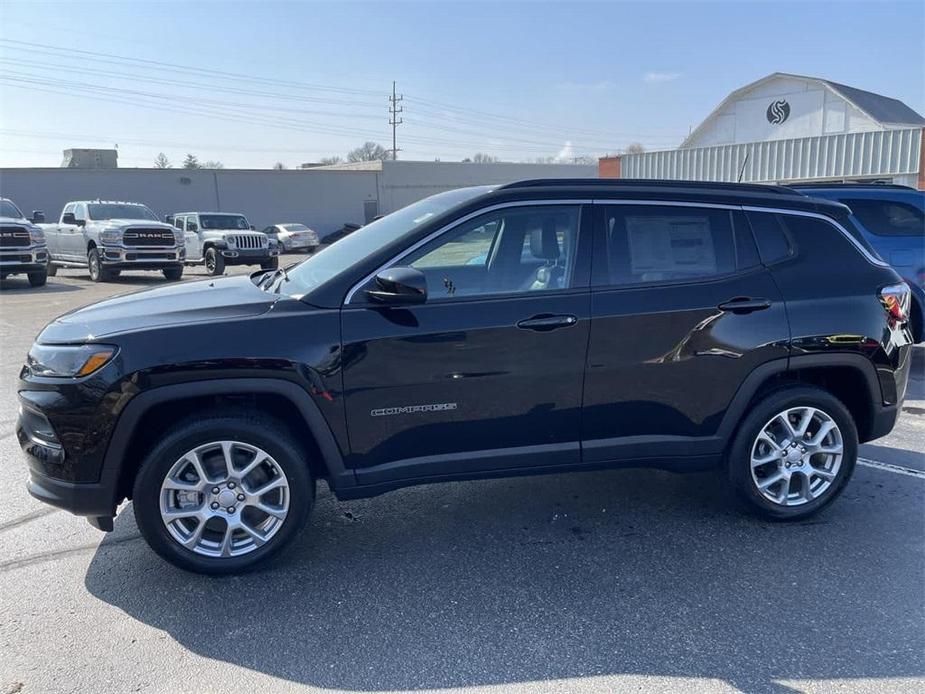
(889, 467)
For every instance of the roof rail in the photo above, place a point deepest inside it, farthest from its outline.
(650, 183)
(852, 184)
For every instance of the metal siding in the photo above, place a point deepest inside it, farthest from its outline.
(843, 155)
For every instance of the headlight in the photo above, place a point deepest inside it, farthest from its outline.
(111, 235)
(37, 235)
(65, 361)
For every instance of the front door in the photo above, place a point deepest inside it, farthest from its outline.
(682, 312)
(193, 239)
(487, 374)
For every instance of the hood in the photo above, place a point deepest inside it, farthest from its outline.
(189, 302)
(21, 221)
(133, 223)
(245, 232)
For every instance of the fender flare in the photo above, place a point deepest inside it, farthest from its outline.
(760, 375)
(134, 411)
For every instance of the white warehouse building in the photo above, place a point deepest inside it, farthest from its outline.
(788, 128)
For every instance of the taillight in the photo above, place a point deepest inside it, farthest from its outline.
(896, 300)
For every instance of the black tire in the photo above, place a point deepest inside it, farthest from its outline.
(740, 451)
(262, 432)
(215, 262)
(51, 270)
(38, 279)
(98, 273)
(270, 264)
(173, 273)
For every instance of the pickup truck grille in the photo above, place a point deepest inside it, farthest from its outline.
(148, 237)
(248, 241)
(14, 237)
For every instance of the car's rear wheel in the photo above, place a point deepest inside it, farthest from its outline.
(794, 453)
(223, 494)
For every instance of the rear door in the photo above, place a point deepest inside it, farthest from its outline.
(682, 311)
(487, 374)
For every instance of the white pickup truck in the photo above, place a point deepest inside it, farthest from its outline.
(107, 237)
(22, 245)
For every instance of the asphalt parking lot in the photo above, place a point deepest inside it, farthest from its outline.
(604, 581)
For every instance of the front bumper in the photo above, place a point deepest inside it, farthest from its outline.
(62, 472)
(142, 257)
(26, 259)
(248, 256)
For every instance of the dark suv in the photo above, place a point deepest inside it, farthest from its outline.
(541, 326)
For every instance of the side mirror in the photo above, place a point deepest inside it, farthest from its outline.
(253, 228)
(68, 218)
(399, 286)
(80, 222)
(38, 217)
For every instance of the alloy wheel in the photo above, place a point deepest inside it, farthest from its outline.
(224, 499)
(796, 456)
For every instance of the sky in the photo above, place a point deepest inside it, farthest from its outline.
(252, 84)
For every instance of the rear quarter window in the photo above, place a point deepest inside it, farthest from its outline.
(821, 241)
(773, 242)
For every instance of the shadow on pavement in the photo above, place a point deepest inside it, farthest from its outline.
(22, 285)
(569, 576)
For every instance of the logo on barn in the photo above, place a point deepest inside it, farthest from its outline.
(778, 112)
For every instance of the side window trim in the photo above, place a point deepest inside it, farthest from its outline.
(348, 300)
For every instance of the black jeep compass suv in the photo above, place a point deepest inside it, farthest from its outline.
(541, 326)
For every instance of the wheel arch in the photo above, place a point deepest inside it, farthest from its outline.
(166, 405)
(849, 377)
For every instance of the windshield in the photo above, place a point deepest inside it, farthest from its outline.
(294, 227)
(8, 209)
(223, 221)
(352, 249)
(115, 210)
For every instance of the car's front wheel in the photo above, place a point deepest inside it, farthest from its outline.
(38, 279)
(215, 262)
(794, 453)
(223, 494)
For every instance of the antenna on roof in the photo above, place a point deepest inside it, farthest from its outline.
(742, 170)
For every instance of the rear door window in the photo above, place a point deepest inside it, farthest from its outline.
(653, 243)
(888, 217)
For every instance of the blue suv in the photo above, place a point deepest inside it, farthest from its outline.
(892, 220)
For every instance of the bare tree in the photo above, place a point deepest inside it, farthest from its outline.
(213, 165)
(328, 161)
(191, 162)
(482, 158)
(161, 161)
(369, 151)
(584, 159)
(635, 148)
(279, 166)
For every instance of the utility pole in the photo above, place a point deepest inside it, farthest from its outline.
(394, 120)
